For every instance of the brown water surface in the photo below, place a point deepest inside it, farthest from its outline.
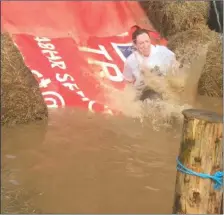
(82, 163)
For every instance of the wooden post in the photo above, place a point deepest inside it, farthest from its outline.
(200, 151)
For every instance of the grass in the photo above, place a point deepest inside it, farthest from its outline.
(21, 98)
(170, 17)
(187, 45)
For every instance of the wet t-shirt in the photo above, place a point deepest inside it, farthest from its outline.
(160, 57)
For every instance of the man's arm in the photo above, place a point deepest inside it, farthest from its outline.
(165, 59)
(127, 73)
(173, 62)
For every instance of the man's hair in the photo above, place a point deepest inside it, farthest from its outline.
(138, 31)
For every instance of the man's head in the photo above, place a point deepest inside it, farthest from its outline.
(142, 41)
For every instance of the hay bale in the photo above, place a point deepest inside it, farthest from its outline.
(22, 100)
(211, 81)
(172, 17)
(186, 46)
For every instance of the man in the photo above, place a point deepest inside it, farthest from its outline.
(146, 57)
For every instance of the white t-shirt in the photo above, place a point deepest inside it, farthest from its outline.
(160, 56)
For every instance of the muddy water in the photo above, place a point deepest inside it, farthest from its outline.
(79, 162)
(84, 163)
(89, 164)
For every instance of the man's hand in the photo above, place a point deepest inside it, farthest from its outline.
(156, 70)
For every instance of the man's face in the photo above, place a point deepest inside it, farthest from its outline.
(143, 44)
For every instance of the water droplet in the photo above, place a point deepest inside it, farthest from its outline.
(10, 156)
(14, 182)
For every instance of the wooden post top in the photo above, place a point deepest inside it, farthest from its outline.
(205, 115)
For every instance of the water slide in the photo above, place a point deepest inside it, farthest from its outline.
(71, 47)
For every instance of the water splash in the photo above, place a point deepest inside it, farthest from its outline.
(178, 88)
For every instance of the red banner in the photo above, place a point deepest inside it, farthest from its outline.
(69, 72)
